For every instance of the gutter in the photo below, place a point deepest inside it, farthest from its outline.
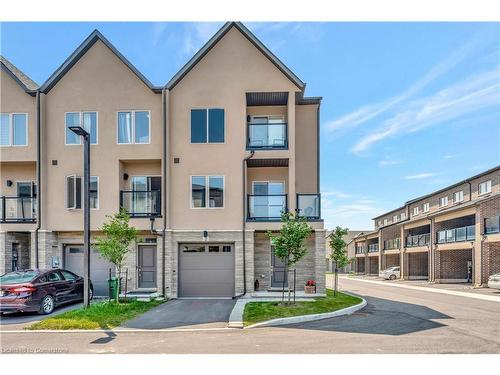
(38, 177)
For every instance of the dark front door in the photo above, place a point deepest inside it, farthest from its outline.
(278, 271)
(147, 266)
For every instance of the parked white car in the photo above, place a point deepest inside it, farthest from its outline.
(494, 281)
(391, 273)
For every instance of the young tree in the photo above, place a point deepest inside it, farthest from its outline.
(289, 243)
(339, 253)
(118, 236)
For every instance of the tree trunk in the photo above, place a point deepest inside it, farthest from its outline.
(118, 285)
(336, 280)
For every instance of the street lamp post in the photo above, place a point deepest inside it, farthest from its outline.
(80, 131)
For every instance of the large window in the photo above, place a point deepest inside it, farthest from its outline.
(415, 211)
(207, 125)
(443, 201)
(133, 127)
(13, 129)
(485, 187)
(87, 120)
(207, 191)
(74, 192)
(425, 207)
(458, 196)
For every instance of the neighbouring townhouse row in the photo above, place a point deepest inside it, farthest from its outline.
(451, 235)
(204, 165)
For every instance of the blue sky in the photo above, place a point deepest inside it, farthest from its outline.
(407, 108)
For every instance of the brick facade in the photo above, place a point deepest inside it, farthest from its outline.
(452, 264)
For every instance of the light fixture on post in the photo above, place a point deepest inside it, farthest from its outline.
(80, 131)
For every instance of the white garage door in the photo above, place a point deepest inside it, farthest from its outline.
(99, 267)
(206, 270)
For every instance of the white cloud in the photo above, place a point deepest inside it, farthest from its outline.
(197, 34)
(387, 162)
(335, 193)
(451, 156)
(353, 212)
(420, 176)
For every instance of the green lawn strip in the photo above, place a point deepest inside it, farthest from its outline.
(256, 312)
(100, 315)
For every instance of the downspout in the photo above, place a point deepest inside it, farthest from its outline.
(38, 177)
(244, 221)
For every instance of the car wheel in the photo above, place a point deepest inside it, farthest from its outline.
(47, 305)
(91, 294)
(392, 277)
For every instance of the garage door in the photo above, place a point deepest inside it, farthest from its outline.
(99, 267)
(206, 270)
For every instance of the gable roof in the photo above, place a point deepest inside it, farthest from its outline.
(216, 38)
(17, 75)
(80, 51)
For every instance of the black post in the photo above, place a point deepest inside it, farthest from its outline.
(86, 218)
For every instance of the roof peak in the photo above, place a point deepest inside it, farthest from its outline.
(18, 75)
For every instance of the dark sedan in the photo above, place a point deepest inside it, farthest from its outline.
(39, 290)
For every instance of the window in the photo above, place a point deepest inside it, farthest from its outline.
(385, 221)
(87, 120)
(193, 249)
(415, 211)
(485, 187)
(213, 249)
(379, 223)
(395, 218)
(443, 201)
(458, 196)
(74, 192)
(207, 189)
(54, 276)
(69, 275)
(133, 127)
(207, 125)
(403, 216)
(13, 129)
(425, 207)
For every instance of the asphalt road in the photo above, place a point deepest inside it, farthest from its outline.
(394, 321)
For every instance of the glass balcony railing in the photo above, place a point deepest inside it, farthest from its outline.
(373, 248)
(492, 225)
(18, 209)
(266, 207)
(418, 240)
(141, 203)
(267, 136)
(467, 233)
(309, 205)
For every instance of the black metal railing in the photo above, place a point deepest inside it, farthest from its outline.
(18, 209)
(373, 248)
(392, 244)
(309, 206)
(267, 136)
(266, 207)
(141, 203)
(418, 240)
(492, 225)
(467, 233)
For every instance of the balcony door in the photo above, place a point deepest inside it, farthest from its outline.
(268, 198)
(25, 204)
(271, 133)
(143, 201)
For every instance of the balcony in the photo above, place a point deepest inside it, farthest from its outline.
(461, 234)
(17, 209)
(373, 248)
(392, 244)
(418, 240)
(266, 207)
(268, 136)
(140, 204)
(360, 250)
(492, 225)
(309, 206)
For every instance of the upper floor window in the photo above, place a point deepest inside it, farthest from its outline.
(403, 216)
(385, 221)
(207, 125)
(458, 196)
(74, 192)
(87, 120)
(415, 211)
(443, 201)
(426, 207)
(395, 218)
(379, 223)
(485, 187)
(13, 129)
(207, 191)
(134, 127)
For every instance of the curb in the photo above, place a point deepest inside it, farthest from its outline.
(431, 290)
(238, 323)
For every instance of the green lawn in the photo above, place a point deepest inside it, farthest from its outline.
(260, 311)
(100, 315)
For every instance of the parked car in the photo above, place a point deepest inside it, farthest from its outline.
(494, 281)
(39, 290)
(391, 273)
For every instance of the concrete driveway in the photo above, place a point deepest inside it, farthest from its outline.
(185, 313)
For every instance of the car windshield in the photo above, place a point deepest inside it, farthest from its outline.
(18, 277)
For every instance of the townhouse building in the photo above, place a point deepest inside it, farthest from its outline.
(450, 235)
(204, 165)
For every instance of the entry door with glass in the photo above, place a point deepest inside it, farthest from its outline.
(146, 196)
(269, 198)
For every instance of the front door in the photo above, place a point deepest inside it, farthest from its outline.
(147, 266)
(278, 271)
